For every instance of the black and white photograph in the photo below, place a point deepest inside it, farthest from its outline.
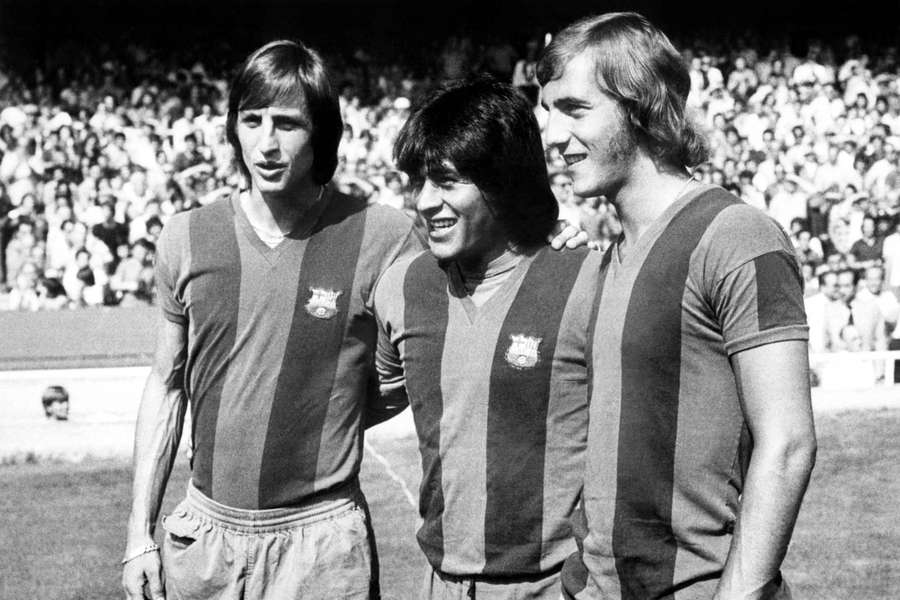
(417, 300)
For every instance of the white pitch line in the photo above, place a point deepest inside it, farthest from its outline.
(392, 473)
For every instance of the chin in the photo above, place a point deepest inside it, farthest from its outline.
(443, 254)
(439, 254)
(269, 187)
(587, 192)
(589, 189)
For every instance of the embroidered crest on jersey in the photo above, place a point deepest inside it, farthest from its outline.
(523, 351)
(323, 303)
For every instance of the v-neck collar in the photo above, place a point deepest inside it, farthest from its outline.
(302, 229)
(476, 313)
(658, 225)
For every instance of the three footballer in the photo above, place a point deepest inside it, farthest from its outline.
(685, 342)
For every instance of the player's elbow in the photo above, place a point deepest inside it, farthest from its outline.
(803, 453)
(793, 455)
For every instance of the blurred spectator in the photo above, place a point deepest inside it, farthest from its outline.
(55, 401)
(24, 293)
(561, 186)
(852, 309)
(20, 247)
(51, 294)
(809, 249)
(190, 156)
(873, 290)
(109, 231)
(819, 307)
(866, 251)
(132, 282)
(525, 70)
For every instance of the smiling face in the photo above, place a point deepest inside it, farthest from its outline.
(874, 280)
(461, 226)
(588, 127)
(276, 147)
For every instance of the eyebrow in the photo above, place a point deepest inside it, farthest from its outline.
(299, 118)
(291, 117)
(567, 103)
(443, 176)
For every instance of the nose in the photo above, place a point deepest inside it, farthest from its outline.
(429, 200)
(555, 133)
(268, 141)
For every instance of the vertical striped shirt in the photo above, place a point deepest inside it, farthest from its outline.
(499, 398)
(668, 444)
(280, 344)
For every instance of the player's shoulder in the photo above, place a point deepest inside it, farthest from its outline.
(378, 216)
(736, 234)
(413, 265)
(389, 218)
(387, 229)
(731, 214)
(738, 224)
(221, 209)
(177, 227)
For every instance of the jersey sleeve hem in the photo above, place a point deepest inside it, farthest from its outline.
(173, 318)
(769, 336)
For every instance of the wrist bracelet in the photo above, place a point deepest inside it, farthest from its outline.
(140, 552)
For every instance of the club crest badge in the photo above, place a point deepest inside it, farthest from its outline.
(523, 351)
(323, 303)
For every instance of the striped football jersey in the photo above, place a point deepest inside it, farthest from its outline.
(499, 398)
(280, 344)
(668, 444)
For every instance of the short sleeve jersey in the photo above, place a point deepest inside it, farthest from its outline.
(280, 344)
(499, 398)
(668, 444)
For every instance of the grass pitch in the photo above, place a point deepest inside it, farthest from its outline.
(61, 525)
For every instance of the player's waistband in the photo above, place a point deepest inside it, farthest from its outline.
(498, 579)
(325, 505)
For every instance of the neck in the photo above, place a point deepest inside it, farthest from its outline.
(280, 213)
(646, 194)
(498, 260)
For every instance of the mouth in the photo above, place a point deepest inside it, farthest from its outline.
(571, 159)
(440, 224)
(269, 169)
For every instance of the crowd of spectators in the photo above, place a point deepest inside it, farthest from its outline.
(95, 156)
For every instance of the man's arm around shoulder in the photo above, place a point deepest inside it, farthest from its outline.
(159, 424)
(775, 397)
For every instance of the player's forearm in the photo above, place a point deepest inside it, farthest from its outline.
(776, 481)
(158, 431)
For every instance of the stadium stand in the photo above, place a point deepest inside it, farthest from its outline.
(98, 150)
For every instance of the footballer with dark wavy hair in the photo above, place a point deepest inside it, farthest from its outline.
(487, 334)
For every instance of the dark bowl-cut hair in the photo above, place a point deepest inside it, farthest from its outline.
(637, 65)
(488, 133)
(288, 73)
